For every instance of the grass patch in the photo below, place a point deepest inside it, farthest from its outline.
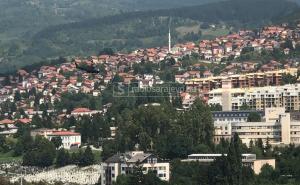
(183, 30)
(215, 32)
(8, 157)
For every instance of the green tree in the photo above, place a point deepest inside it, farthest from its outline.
(288, 79)
(24, 142)
(84, 128)
(88, 157)
(106, 51)
(109, 149)
(288, 44)
(259, 143)
(62, 158)
(200, 121)
(268, 148)
(245, 107)
(268, 175)
(37, 121)
(235, 161)
(17, 96)
(223, 146)
(254, 117)
(42, 153)
(215, 107)
(57, 141)
(3, 145)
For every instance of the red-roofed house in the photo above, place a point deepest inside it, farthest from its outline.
(24, 121)
(84, 112)
(69, 139)
(81, 112)
(7, 127)
(6, 122)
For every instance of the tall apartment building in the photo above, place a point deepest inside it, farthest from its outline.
(277, 126)
(269, 78)
(123, 163)
(257, 98)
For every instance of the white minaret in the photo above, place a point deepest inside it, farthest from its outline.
(169, 40)
(170, 36)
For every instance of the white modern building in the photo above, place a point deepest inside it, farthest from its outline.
(224, 117)
(69, 139)
(247, 160)
(276, 126)
(123, 163)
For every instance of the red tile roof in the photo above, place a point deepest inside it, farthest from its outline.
(64, 133)
(24, 120)
(6, 121)
(80, 110)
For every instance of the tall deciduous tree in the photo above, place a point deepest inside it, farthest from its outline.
(235, 161)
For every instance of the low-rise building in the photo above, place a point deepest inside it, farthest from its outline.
(233, 116)
(223, 122)
(69, 139)
(7, 127)
(247, 160)
(84, 112)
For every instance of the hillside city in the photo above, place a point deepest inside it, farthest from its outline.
(220, 111)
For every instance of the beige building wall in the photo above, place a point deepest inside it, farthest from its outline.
(259, 98)
(295, 132)
(285, 120)
(226, 95)
(272, 114)
(276, 126)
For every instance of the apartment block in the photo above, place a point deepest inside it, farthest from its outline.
(260, 79)
(257, 98)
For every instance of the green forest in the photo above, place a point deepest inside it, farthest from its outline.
(165, 132)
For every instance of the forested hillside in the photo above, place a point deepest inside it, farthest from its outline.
(21, 18)
(126, 31)
(292, 18)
